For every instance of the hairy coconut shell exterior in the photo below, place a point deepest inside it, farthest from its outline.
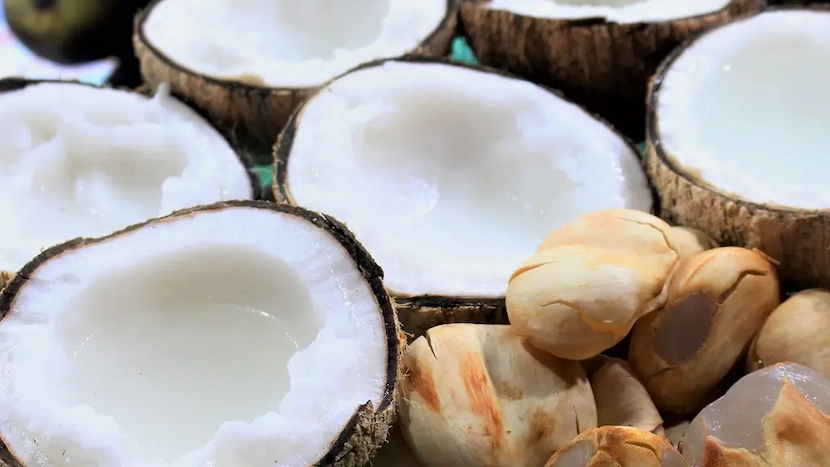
(245, 107)
(797, 239)
(417, 313)
(16, 84)
(603, 65)
(369, 427)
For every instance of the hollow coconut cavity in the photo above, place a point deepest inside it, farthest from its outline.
(248, 64)
(725, 112)
(77, 160)
(601, 53)
(451, 176)
(237, 334)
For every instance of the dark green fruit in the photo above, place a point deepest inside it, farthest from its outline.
(74, 31)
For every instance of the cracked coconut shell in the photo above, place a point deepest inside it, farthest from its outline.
(360, 438)
(244, 107)
(717, 302)
(603, 65)
(795, 238)
(479, 395)
(416, 312)
(617, 446)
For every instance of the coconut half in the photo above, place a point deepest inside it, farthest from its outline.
(248, 63)
(451, 175)
(601, 53)
(725, 112)
(239, 334)
(77, 160)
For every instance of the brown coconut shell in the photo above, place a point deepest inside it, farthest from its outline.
(603, 65)
(244, 107)
(797, 239)
(369, 427)
(422, 312)
(16, 84)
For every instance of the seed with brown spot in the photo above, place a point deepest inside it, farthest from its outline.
(513, 405)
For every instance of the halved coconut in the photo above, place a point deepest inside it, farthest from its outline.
(599, 52)
(451, 176)
(248, 63)
(737, 138)
(77, 160)
(239, 334)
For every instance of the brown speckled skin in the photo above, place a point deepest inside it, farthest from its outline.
(799, 240)
(603, 66)
(368, 428)
(249, 111)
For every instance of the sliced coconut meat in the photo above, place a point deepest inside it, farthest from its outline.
(743, 109)
(451, 176)
(240, 334)
(618, 11)
(76, 160)
(286, 43)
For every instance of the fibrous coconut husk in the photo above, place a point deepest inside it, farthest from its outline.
(245, 107)
(417, 313)
(600, 64)
(369, 427)
(797, 239)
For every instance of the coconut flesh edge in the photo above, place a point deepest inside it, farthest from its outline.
(451, 176)
(288, 43)
(196, 341)
(744, 109)
(82, 161)
(618, 11)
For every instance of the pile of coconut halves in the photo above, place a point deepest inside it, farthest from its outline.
(313, 239)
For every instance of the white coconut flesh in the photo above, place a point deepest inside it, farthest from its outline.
(235, 337)
(618, 11)
(82, 161)
(451, 176)
(288, 43)
(744, 108)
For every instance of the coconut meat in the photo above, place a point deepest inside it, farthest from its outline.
(288, 43)
(617, 11)
(82, 161)
(744, 109)
(451, 176)
(237, 337)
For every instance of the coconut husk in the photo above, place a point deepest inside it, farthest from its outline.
(422, 312)
(369, 427)
(799, 240)
(245, 108)
(604, 66)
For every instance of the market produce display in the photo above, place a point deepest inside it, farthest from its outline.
(437, 148)
(309, 238)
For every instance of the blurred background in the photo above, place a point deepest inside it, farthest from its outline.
(16, 60)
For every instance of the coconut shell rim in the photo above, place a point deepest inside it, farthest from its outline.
(143, 14)
(371, 273)
(654, 140)
(285, 142)
(601, 20)
(13, 83)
